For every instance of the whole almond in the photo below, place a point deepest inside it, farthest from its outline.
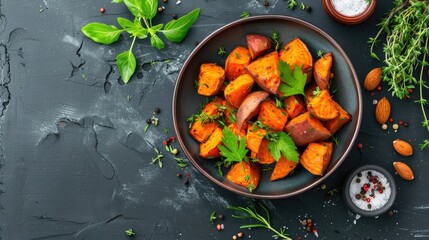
(372, 79)
(403, 170)
(382, 111)
(403, 148)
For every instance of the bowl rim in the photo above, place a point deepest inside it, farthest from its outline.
(255, 19)
(357, 210)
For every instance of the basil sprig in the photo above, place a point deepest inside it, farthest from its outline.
(141, 27)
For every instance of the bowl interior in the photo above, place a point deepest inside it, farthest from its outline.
(186, 101)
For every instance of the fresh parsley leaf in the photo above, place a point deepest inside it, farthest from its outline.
(281, 143)
(176, 30)
(234, 149)
(102, 33)
(292, 83)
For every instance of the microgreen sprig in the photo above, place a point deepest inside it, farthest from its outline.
(250, 212)
(144, 11)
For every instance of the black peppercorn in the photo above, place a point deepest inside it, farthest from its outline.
(308, 8)
(186, 181)
(179, 175)
(160, 9)
(369, 205)
(390, 213)
(359, 174)
(157, 110)
(369, 173)
(358, 196)
(174, 16)
(358, 180)
(266, 3)
(221, 217)
(148, 121)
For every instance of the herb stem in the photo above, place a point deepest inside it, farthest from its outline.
(421, 85)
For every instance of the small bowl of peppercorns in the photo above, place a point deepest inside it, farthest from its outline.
(369, 191)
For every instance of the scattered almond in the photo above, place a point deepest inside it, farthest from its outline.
(372, 79)
(382, 111)
(403, 170)
(403, 148)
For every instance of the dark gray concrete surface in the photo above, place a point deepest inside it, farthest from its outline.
(75, 162)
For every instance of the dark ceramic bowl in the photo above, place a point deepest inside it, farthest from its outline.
(349, 20)
(186, 101)
(367, 213)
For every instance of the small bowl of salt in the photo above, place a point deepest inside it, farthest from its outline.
(349, 11)
(369, 191)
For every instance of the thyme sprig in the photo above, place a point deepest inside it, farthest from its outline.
(407, 45)
(250, 212)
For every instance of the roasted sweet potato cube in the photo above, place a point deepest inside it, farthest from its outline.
(236, 61)
(293, 106)
(245, 174)
(328, 155)
(322, 106)
(283, 168)
(254, 139)
(335, 124)
(296, 53)
(238, 89)
(271, 116)
(258, 44)
(214, 107)
(314, 158)
(309, 91)
(265, 71)
(322, 71)
(305, 129)
(209, 149)
(237, 132)
(250, 106)
(264, 155)
(201, 131)
(210, 79)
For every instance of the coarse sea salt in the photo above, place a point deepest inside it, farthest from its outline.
(378, 198)
(350, 8)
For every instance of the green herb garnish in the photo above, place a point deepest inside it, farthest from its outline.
(319, 53)
(281, 143)
(276, 39)
(407, 45)
(144, 11)
(291, 4)
(158, 157)
(221, 51)
(234, 149)
(292, 83)
(130, 232)
(213, 217)
(250, 212)
(245, 14)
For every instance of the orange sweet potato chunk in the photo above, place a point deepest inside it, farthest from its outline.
(254, 138)
(305, 129)
(264, 155)
(200, 130)
(296, 53)
(210, 79)
(265, 71)
(236, 61)
(271, 116)
(293, 106)
(209, 149)
(314, 157)
(238, 89)
(283, 168)
(322, 71)
(328, 155)
(322, 106)
(335, 124)
(245, 174)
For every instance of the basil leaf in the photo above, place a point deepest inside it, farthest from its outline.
(150, 7)
(126, 64)
(176, 30)
(117, 1)
(135, 7)
(101, 33)
(155, 41)
(135, 28)
(156, 28)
